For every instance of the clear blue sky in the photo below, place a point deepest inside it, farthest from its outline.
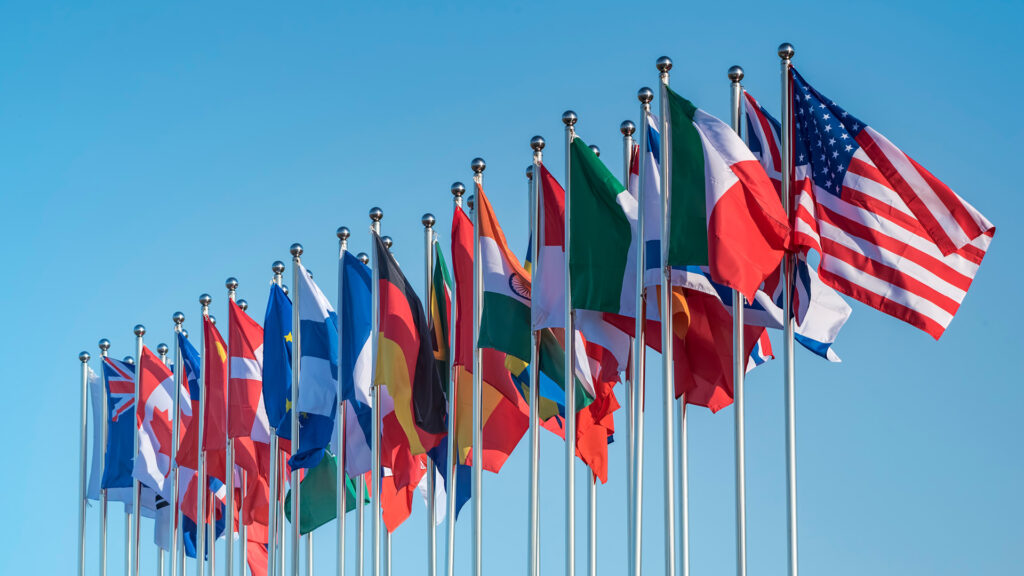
(149, 152)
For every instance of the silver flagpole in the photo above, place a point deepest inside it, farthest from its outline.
(376, 214)
(243, 536)
(786, 53)
(274, 527)
(569, 119)
(162, 350)
(739, 364)
(282, 463)
(343, 234)
(178, 318)
(104, 345)
(229, 467)
(537, 143)
(645, 95)
(628, 128)
(128, 515)
(428, 221)
(202, 483)
(211, 528)
(309, 554)
(591, 488)
(457, 190)
(388, 242)
(361, 488)
(664, 64)
(296, 252)
(83, 357)
(139, 330)
(478, 166)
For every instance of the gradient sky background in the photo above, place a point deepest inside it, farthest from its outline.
(149, 152)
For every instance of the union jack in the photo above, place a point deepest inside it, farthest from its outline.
(120, 379)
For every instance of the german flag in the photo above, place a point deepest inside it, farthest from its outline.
(405, 357)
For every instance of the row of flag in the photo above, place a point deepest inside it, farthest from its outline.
(886, 231)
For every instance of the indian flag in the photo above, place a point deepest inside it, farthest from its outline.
(725, 212)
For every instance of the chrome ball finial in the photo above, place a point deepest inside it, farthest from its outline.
(213, 319)
(595, 150)
(428, 220)
(363, 257)
(184, 333)
(664, 64)
(458, 189)
(569, 118)
(388, 242)
(376, 214)
(529, 171)
(84, 356)
(178, 317)
(205, 299)
(162, 349)
(786, 51)
(139, 330)
(471, 201)
(645, 95)
(537, 143)
(284, 288)
(128, 360)
(343, 233)
(277, 267)
(231, 283)
(627, 128)
(243, 304)
(735, 73)
(104, 345)
(295, 250)
(478, 165)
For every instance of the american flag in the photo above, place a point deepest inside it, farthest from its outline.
(120, 379)
(890, 234)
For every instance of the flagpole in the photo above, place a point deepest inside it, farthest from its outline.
(296, 252)
(645, 95)
(457, 190)
(376, 214)
(211, 528)
(178, 318)
(83, 357)
(243, 537)
(739, 364)
(343, 234)
(478, 166)
(786, 53)
(274, 525)
(229, 465)
(309, 554)
(361, 484)
(537, 143)
(664, 64)
(281, 465)
(428, 221)
(628, 128)
(591, 487)
(162, 350)
(139, 331)
(569, 118)
(128, 515)
(104, 346)
(202, 485)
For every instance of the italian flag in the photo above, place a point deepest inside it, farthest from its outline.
(725, 213)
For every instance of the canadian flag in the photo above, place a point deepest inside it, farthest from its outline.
(155, 422)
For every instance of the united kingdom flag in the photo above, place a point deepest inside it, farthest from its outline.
(120, 386)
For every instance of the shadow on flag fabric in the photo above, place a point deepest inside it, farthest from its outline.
(155, 423)
(277, 360)
(318, 372)
(318, 504)
(356, 317)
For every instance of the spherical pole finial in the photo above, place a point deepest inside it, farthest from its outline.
(428, 220)
(184, 333)
(645, 95)
(104, 345)
(627, 128)
(388, 242)
(284, 288)
(231, 284)
(537, 143)
(343, 233)
(569, 118)
(664, 64)
(478, 165)
(735, 73)
(139, 330)
(213, 319)
(295, 250)
(595, 150)
(178, 318)
(84, 356)
(458, 189)
(205, 299)
(471, 201)
(529, 171)
(162, 349)
(786, 51)
(128, 360)
(363, 257)
(243, 304)
(376, 214)
(277, 267)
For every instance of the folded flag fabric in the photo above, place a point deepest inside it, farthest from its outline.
(119, 458)
(247, 415)
(318, 503)
(356, 369)
(155, 423)
(277, 361)
(98, 415)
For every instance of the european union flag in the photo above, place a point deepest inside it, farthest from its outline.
(277, 361)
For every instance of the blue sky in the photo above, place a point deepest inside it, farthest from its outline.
(149, 152)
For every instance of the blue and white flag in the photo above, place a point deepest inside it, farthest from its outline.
(356, 369)
(318, 372)
(119, 459)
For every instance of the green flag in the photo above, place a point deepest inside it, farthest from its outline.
(319, 502)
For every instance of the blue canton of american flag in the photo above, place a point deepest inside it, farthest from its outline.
(825, 136)
(120, 379)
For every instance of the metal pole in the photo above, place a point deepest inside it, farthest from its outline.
(457, 190)
(387, 552)
(178, 318)
(645, 95)
(296, 252)
(162, 350)
(309, 554)
(537, 143)
(211, 535)
(104, 345)
(591, 489)
(376, 214)
(274, 525)
(83, 357)
(202, 483)
(428, 221)
(786, 53)
(243, 536)
(627, 128)
(343, 234)
(664, 64)
(739, 363)
(360, 489)
(569, 118)
(139, 330)
(229, 466)
(478, 165)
